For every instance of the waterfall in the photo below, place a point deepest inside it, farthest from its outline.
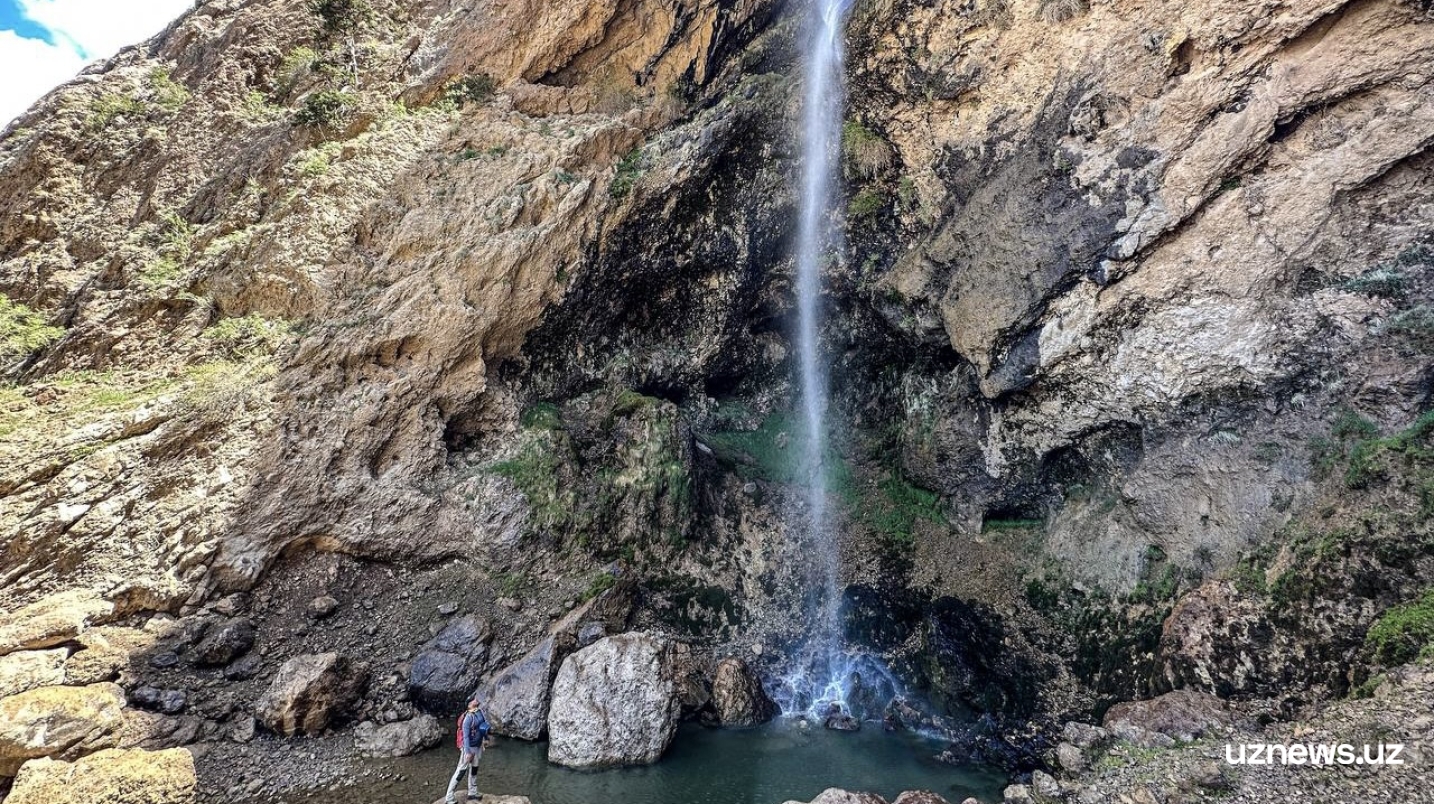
(821, 678)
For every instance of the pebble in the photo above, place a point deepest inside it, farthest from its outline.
(163, 659)
(448, 609)
(323, 606)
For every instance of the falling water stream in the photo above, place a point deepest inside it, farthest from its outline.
(822, 677)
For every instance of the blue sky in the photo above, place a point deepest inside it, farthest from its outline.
(44, 43)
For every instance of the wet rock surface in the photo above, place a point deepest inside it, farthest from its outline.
(738, 699)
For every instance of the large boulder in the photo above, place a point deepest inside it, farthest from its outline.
(1182, 715)
(310, 693)
(63, 722)
(111, 776)
(399, 739)
(616, 702)
(448, 667)
(516, 698)
(29, 669)
(737, 696)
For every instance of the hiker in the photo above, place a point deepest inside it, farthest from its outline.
(472, 730)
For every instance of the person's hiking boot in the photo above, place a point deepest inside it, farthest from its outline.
(474, 795)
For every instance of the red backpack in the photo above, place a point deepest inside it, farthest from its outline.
(483, 728)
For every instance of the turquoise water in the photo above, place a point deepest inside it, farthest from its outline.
(768, 765)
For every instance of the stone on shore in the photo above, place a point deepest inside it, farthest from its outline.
(111, 776)
(398, 739)
(62, 722)
(310, 693)
(616, 702)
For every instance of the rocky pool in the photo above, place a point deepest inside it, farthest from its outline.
(767, 765)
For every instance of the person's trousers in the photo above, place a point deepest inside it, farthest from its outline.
(466, 761)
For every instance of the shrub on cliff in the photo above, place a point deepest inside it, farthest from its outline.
(22, 331)
(1403, 633)
(325, 109)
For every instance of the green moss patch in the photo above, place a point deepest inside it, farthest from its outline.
(1403, 633)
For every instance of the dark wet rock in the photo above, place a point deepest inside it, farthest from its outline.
(170, 702)
(590, 633)
(969, 665)
(841, 721)
(443, 675)
(164, 659)
(223, 644)
(310, 693)
(245, 667)
(516, 698)
(737, 696)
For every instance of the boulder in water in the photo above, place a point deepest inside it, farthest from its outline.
(309, 693)
(738, 699)
(516, 699)
(110, 776)
(616, 702)
(63, 722)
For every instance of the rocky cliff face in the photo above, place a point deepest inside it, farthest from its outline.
(411, 303)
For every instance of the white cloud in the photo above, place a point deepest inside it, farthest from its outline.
(99, 28)
(31, 68)
(83, 31)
